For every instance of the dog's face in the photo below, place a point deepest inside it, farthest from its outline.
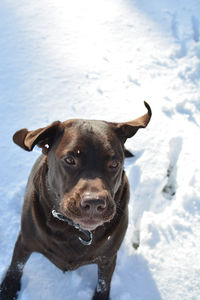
(85, 169)
(85, 165)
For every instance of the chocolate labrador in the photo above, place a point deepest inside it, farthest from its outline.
(76, 200)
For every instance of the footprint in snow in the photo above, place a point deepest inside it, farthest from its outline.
(195, 27)
(169, 189)
(183, 40)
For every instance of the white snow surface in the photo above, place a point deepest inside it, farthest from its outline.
(99, 60)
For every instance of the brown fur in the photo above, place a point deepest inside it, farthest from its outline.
(80, 174)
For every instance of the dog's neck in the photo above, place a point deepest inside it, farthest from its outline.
(88, 233)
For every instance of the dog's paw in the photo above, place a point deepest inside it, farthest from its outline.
(101, 296)
(9, 289)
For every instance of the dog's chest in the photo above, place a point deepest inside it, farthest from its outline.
(70, 254)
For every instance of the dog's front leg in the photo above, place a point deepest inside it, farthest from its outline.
(105, 271)
(11, 282)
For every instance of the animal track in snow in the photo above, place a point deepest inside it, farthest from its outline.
(195, 27)
(169, 189)
(184, 35)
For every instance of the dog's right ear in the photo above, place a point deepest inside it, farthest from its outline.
(42, 137)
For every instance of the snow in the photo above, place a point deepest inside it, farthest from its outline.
(100, 60)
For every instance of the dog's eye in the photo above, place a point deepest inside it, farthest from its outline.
(70, 160)
(114, 164)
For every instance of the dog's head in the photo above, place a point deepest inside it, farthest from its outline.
(85, 164)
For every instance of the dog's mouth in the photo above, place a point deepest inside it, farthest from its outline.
(88, 223)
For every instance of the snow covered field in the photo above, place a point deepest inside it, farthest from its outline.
(100, 59)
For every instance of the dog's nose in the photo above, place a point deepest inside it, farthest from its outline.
(93, 204)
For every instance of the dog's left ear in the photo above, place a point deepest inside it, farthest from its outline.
(128, 129)
(42, 137)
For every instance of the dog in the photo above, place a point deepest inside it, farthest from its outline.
(75, 209)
